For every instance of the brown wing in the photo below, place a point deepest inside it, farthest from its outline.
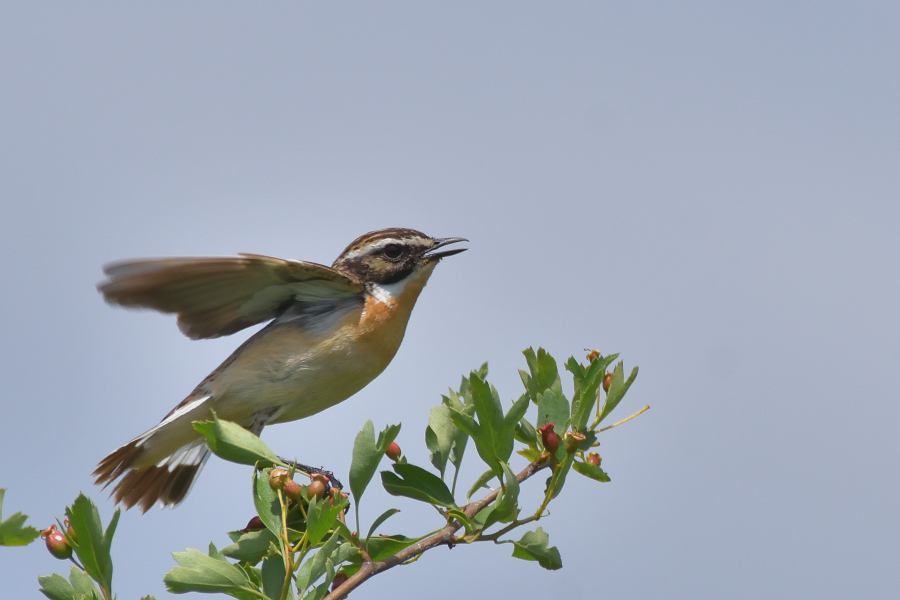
(218, 296)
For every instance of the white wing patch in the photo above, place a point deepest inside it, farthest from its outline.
(189, 455)
(177, 413)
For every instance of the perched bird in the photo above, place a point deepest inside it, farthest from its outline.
(333, 331)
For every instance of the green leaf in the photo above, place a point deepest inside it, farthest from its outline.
(198, 572)
(13, 531)
(543, 373)
(439, 436)
(267, 504)
(315, 567)
(251, 546)
(82, 584)
(591, 471)
(553, 408)
(617, 388)
(321, 516)
(234, 443)
(533, 546)
(93, 545)
(525, 432)
(381, 519)
(273, 573)
(56, 587)
(480, 483)
(587, 384)
(366, 456)
(506, 507)
(417, 483)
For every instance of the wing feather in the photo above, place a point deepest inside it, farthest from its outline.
(216, 296)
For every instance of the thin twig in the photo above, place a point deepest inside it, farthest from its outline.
(442, 538)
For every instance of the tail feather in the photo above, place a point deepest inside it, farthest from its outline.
(167, 482)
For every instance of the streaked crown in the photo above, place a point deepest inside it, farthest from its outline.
(390, 255)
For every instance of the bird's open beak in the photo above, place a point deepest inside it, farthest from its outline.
(440, 243)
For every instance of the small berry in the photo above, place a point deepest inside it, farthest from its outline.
(254, 524)
(593, 459)
(293, 490)
(278, 477)
(549, 438)
(315, 489)
(339, 580)
(593, 355)
(607, 380)
(57, 543)
(393, 452)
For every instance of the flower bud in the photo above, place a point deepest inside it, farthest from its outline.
(549, 438)
(607, 380)
(593, 459)
(393, 452)
(573, 438)
(57, 543)
(278, 477)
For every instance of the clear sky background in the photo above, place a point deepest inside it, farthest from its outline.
(711, 189)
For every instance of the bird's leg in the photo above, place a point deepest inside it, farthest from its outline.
(332, 480)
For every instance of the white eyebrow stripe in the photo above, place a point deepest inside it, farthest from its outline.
(380, 244)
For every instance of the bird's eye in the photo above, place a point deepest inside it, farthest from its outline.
(392, 251)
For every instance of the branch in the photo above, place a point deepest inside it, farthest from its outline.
(441, 538)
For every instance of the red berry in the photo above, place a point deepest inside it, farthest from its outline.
(393, 452)
(339, 580)
(593, 355)
(549, 438)
(593, 459)
(57, 543)
(254, 524)
(607, 380)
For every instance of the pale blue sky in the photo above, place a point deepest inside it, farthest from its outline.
(709, 188)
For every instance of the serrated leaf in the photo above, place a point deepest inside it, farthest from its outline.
(82, 584)
(553, 408)
(534, 546)
(617, 388)
(235, 444)
(587, 384)
(321, 516)
(251, 546)
(198, 572)
(93, 546)
(591, 471)
(56, 587)
(415, 482)
(543, 373)
(381, 519)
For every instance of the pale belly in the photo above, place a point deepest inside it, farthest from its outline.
(288, 369)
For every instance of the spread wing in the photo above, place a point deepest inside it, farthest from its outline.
(218, 296)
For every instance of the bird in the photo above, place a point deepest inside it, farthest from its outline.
(332, 331)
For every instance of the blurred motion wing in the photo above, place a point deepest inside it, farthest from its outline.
(217, 296)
